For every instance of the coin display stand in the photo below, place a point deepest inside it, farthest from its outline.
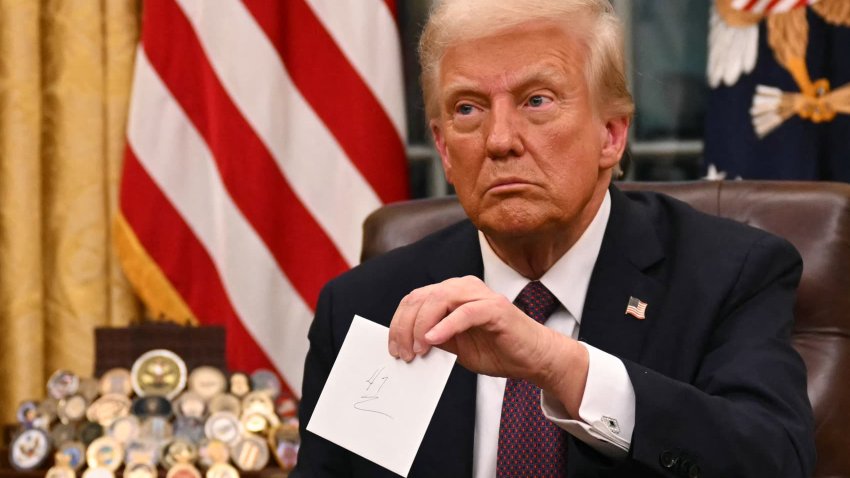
(158, 418)
(121, 347)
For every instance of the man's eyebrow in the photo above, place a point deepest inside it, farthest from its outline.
(463, 86)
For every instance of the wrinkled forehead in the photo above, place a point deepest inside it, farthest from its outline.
(540, 51)
(543, 32)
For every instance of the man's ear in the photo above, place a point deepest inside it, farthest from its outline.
(614, 141)
(440, 143)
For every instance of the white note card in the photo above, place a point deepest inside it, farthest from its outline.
(376, 405)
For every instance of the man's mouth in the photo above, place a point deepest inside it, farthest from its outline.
(508, 184)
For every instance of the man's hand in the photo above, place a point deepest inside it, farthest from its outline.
(490, 335)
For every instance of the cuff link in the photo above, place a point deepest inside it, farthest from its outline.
(612, 425)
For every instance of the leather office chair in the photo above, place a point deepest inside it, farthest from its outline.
(815, 217)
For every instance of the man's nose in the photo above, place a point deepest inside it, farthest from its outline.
(503, 138)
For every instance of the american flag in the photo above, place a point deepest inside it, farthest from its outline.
(261, 134)
(636, 308)
(769, 6)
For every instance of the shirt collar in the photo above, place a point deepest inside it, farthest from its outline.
(567, 279)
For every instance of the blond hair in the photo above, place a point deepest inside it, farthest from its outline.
(454, 21)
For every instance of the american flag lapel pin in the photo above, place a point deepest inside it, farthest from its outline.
(636, 308)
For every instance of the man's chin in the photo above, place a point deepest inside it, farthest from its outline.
(512, 215)
(509, 223)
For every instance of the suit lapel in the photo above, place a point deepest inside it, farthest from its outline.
(630, 249)
(447, 449)
(458, 255)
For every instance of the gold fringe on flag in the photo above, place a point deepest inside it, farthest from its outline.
(156, 291)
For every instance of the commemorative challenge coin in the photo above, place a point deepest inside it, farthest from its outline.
(108, 408)
(62, 384)
(284, 442)
(223, 426)
(258, 402)
(125, 429)
(72, 409)
(139, 470)
(46, 413)
(76, 453)
(189, 428)
(251, 453)
(225, 402)
(190, 404)
(240, 384)
(211, 452)
(105, 452)
(183, 470)
(142, 451)
(222, 470)
(90, 431)
(89, 388)
(263, 380)
(26, 413)
(153, 406)
(62, 433)
(99, 472)
(29, 449)
(178, 451)
(207, 382)
(158, 372)
(116, 381)
(156, 429)
(61, 468)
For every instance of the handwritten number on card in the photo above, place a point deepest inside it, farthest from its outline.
(372, 392)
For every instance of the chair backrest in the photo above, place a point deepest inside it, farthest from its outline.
(814, 216)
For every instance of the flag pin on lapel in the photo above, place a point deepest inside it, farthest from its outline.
(636, 308)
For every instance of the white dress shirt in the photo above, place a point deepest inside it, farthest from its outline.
(607, 408)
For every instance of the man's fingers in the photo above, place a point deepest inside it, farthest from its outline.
(441, 301)
(424, 308)
(431, 312)
(401, 327)
(438, 305)
(463, 318)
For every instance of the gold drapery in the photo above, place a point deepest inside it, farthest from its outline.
(65, 77)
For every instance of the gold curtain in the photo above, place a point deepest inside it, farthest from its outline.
(65, 77)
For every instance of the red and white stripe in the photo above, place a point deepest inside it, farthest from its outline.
(770, 6)
(261, 134)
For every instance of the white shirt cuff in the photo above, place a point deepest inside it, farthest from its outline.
(607, 410)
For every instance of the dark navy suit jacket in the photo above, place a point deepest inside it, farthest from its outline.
(719, 390)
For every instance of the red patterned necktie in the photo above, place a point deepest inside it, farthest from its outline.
(529, 444)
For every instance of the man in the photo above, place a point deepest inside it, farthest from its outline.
(659, 336)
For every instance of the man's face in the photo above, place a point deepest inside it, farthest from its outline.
(518, 134)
